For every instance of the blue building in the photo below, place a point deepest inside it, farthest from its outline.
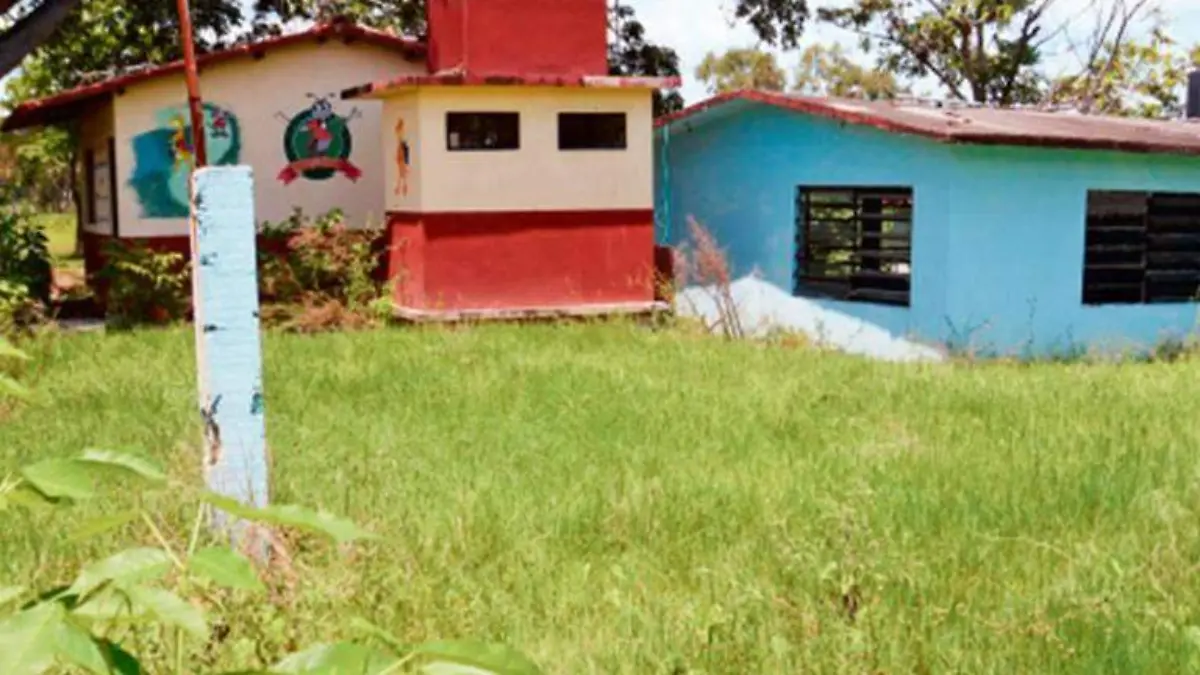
(1000, 231)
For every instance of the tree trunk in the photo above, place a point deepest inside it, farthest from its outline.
(31, 31)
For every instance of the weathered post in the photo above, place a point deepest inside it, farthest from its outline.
(225, 310)
(228, 345)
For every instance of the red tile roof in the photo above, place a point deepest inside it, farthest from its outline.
(68, 104)
(459, 78)
(978, 125)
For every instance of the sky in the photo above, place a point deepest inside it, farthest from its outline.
(694, 27)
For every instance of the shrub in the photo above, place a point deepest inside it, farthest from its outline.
(319, 275)
(144, 286)
(26, 274)
(19, 310)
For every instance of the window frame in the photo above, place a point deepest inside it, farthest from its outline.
(579, 114)
(1146, 254)
(513, 116)
(865, 281)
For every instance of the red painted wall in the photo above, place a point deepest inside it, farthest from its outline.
(519, 37)
(460, 261)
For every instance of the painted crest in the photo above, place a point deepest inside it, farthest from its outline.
(318, 143)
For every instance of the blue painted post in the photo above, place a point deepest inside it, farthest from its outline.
(228, 345)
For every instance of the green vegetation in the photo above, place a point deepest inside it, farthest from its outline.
(608, 499)
(60, 233)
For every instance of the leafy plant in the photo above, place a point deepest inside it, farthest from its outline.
(26, 274)
(144, 285)
(319, 274)
(19, 310)
(91, 624)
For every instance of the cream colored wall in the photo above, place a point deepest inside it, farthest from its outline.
(404, 107)
(538, 176)
(256, 92)
(95, 128)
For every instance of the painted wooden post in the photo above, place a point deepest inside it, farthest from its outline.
(228, 345)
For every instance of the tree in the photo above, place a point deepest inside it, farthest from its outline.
(989, 51)
(1119, 75)
(742, 68)
(983, 51)
(829, 71)
(778, 23)
(31, 29)
(101, 37)
(630, 54)
(403, 16)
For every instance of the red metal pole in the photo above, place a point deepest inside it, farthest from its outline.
(193, 84)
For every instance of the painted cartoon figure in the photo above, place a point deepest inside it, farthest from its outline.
(181, 147)
(220, 124)
(318, 143)
(403, 159)
(319, 116)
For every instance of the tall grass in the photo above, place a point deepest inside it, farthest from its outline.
(612, 500)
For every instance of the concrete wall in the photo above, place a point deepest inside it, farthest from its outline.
(262, 96)
(998, 233)
(537, 176)
(1017, 248)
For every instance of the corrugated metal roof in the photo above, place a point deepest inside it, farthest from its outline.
(980, 125)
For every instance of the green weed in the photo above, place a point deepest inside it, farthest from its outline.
(612, 499)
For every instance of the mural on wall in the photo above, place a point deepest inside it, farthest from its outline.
(164, 156)
(403, 159)
(318, 143)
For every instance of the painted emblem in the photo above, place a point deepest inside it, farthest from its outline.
(165, 155)
(318, 143)
(403, 159)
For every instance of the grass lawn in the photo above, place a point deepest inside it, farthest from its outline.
(611, 500)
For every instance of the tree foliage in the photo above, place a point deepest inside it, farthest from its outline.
(829, 71)
(741, 68)
(776, 22)
(102, 36)
(983, 51)
(1144, 76)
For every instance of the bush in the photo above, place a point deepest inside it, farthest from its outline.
(144, 286)
(319, 275)
(26, 274)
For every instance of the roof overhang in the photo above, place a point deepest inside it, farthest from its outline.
(70, 104)
(394, 86)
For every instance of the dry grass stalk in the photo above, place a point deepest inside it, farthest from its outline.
(702, 262)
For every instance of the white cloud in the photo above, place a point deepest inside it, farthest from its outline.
(694, 27)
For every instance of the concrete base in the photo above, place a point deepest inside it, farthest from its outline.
(588, 311)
